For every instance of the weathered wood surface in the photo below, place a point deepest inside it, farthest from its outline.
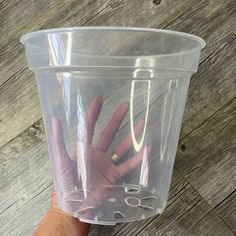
(213, 170)
(21, 88)
(202, 198)
(226, 210)
(26, 182)
(209, 154)
(18, 88)
(183, 215)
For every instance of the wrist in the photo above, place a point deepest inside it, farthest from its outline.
(59, 223)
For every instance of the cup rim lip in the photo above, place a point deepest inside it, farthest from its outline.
(109, 28)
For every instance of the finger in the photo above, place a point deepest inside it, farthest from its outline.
(60, 153)
(62, 160)
(92, 116)
(112, 127)
(57, 138)
(127, 142)
(132, 163)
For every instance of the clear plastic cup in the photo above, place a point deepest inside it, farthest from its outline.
(112, 100)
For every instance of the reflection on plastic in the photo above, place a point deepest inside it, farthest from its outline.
(58, 53)
(144, 172)
(56, 50)
(146, 203)
(68, 49)
(57, 57)
(65, 84)
(82, 134)
(138, 146)
(166, 119)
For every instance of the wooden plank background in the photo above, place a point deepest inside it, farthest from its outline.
(202, 197)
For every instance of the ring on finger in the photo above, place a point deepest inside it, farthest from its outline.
(115, 158)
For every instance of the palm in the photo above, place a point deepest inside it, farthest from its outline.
(102, 166)
(96, 170)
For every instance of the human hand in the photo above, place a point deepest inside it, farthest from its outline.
(94, 166)
(57, 222)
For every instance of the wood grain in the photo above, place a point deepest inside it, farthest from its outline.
(183, 216)
(122, 229)
(212, 87)
(18, 86)
(15, 79)
(204, 177)
(42, 15)
(209, 155)
(182, 205)
(26, 182)
(226, 210)
(211, 225)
